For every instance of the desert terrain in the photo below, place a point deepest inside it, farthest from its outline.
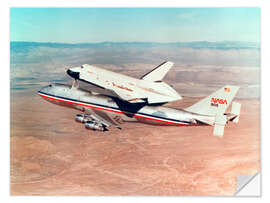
(51, 154)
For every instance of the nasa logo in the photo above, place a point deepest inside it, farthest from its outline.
(218, 101)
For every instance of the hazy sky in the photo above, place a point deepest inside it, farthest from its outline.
(74, 25)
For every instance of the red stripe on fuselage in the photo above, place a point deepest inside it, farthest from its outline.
(79, 103)
(106, 109)
(154, 119)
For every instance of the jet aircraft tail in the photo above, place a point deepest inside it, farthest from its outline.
(216, 105)
(217, 102)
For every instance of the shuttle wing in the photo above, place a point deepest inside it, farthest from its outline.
(131, 97)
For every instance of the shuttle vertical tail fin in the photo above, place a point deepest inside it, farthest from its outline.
(158, 73)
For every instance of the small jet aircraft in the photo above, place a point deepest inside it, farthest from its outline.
(144, 104)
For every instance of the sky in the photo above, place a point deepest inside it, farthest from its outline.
(86, 25)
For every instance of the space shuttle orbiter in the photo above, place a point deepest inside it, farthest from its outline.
(149, 88)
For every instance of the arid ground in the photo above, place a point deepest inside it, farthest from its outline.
(51, 154)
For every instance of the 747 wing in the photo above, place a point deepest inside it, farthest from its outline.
(98, 120)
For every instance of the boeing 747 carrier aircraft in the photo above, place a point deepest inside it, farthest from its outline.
(145, 103)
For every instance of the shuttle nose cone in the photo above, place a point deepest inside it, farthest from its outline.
(73, 74)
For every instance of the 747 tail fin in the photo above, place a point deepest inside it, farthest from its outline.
(217, 102)
(216, 105)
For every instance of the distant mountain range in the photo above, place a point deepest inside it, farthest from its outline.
(197, 64)
(18, 45)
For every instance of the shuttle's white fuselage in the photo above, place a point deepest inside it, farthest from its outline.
(127, 88)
